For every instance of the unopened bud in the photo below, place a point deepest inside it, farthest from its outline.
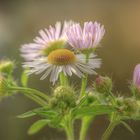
(103, 84)
(3, 86)
(6, 66)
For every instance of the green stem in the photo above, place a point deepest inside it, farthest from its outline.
(69, 128)
(86, 121)
(32, 94)
(83, 87)
(63, 79)
(84, 80)
(109, 130)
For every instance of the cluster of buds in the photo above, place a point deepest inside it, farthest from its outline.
(63, 98)
(128, 106)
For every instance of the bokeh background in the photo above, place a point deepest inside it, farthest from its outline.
(20, 21)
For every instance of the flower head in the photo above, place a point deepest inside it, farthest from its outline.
(62, 60)
(136, 76)
(87, 38)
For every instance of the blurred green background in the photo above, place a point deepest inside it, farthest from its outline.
(20, 21)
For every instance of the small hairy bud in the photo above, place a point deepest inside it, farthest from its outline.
(103, 84)
(6, 66)
(63, 98)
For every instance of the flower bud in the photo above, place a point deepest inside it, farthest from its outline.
(103, 84)
(63, 98)
(6, 66)
(135, 86)
(136, 76)
(3, 86)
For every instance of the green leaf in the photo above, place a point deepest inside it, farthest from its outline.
(37, 126)
(92, 110)
(128, 127)
(24, 78)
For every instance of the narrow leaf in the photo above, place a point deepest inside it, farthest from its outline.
(37, 126)
(27, 114)
(128, 127)
(30, 113)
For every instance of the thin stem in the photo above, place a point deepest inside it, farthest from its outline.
(109, 130)
(86, 121)
(84, 80)
(83, 87)
(63, 79)
(69, 128)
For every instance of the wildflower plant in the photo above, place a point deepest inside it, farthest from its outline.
(56, 54)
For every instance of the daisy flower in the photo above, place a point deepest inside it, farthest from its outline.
(47, 41)
(62, 60)
(85, 38)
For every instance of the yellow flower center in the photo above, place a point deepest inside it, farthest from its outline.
(61, 57)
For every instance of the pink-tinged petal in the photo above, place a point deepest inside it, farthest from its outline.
(136, 76)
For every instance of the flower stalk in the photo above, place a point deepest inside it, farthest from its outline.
(63, 79)
(86, 121)
(68, 126)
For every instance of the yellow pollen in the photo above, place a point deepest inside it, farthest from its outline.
(61, 57)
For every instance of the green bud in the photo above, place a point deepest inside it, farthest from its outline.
(63, 98)
(3, 86)
(6, 66)
(103, 84)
